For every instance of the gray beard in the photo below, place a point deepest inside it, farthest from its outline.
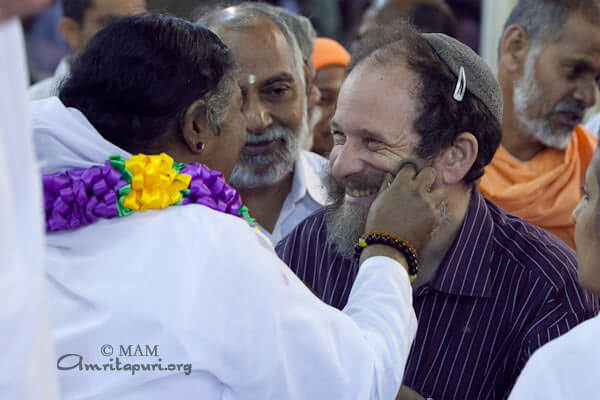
(261, 170)
(346, 223)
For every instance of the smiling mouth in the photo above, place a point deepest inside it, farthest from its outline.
(352, 192)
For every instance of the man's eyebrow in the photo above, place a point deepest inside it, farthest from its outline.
(282, 77)
(372, 135)
(586, 65)
(362, 132)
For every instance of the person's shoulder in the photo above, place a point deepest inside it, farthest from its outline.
(579, 340)
(575, 351)
(565, 367)
(532, 248)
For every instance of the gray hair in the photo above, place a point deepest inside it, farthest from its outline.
(217, 101)
(251, 18)
(301, 27)
(543, 20)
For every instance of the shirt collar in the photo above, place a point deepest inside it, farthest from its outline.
(308, 179)
(465, 270)
(64, 67)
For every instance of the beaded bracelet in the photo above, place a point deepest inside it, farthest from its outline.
(394, 241)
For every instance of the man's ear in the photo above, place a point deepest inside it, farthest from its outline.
(313, 94)
(514, 47)
(71, 31)
(197, 131)
(456, 161)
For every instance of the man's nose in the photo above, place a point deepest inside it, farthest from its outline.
(345, 161)
(257, 116)
(586, 92)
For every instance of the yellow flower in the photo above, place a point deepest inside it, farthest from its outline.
(155, 184)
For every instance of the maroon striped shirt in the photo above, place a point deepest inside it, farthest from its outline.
(505, 288)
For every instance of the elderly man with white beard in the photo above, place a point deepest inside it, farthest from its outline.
(280, 183)
(549, 67)
(491, 288)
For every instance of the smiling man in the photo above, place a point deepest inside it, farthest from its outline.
(491, 287)
(280, 183)
(549, 66)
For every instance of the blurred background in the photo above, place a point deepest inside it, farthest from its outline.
(477, 23)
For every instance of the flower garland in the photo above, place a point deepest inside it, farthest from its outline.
(120, 187)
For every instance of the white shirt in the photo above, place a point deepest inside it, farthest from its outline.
(568, 367)
(49, 87)
(27, 364)
(308, 194)
(213, 296)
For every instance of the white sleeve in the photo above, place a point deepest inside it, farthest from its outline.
(281, 342)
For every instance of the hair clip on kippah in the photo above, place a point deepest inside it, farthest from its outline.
(461, 85)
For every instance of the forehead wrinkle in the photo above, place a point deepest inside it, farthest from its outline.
(393, 135)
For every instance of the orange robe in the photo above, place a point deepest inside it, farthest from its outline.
(545, 189)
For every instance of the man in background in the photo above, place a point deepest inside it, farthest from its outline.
(81, 20)
(549, 66)
(330, 60)
(305, 35)
(280, 183)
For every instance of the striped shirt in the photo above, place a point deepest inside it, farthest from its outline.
(504, 288)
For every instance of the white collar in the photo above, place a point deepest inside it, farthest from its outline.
(64, 67)
(310, 172)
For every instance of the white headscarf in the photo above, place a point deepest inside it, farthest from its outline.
(65, 139)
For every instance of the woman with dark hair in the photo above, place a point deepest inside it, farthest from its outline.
(569, 366)
(185, 299)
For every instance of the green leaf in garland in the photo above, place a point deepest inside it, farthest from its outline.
(243, 211)
(125, 190)
(118, 163)
(123, 211)
(178, 166)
